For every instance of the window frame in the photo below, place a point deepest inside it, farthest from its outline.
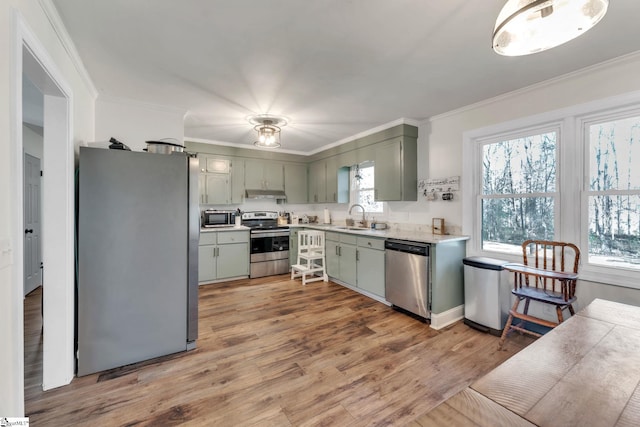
(508, 136)
(355, 192)
(572, 223)
(618, 274)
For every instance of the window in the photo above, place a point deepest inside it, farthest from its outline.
(613, 192)
(519, 191)
(571, 175)
(362, 188)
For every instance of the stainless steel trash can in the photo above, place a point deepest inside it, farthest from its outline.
(487, 294)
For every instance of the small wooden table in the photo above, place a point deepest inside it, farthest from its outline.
(585, 372)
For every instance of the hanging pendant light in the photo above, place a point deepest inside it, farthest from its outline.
(268, 129)
(529, 26)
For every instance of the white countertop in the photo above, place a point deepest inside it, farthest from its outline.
(414, 236)
(229, 228)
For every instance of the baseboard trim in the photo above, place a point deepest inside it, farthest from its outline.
(446, 318)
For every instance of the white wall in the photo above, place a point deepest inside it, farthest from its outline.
(32, 14)
(133, 123)
(32, 140)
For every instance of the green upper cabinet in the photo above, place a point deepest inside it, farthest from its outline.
(237, 181)
(328, 182)
(217, 189)
(295, 182)
(331, 166)
(396, 170)
(317, 182)
(263, 174)
(214, 180)
(214, 164)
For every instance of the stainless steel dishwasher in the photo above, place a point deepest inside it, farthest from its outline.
(408, 276)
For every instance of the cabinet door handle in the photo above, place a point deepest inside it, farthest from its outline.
(357, 255)
(340, 250)
(336, 250)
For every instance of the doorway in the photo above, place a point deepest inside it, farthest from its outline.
(32, 143)
(32, 61)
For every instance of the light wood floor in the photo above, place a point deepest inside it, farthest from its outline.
(274, 353)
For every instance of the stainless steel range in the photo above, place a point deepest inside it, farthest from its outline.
(269, 244)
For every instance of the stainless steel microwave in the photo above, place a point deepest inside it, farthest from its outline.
(215, 218)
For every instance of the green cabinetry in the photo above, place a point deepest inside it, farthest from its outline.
(447, 276)
(318, 182)
(396, 170)
(370, 267)
(293, 245)
(340, 252)
(221, 180)
(214, 180)
(263, 175)
(222, 255)
(295, 182)
(328, 182)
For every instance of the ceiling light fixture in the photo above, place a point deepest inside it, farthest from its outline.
(268, 129)
(529, 26)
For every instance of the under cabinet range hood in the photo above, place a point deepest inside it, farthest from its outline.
(266, 194)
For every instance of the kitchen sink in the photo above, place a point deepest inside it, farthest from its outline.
(351, 228)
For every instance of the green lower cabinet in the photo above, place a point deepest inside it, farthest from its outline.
(356, 261)
(222, 255)
(371, 270)
(348, 267)
(233, 260)
(293, 245)
(207, 263)
(341, 261)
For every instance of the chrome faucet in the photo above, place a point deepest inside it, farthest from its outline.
(363, 222)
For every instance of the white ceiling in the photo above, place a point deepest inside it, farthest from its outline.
(336, 68)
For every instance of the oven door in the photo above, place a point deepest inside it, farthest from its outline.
(269, 245)
(269, 253)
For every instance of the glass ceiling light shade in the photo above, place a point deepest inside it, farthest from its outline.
(268, 129)
(268, 135)
(529, 26)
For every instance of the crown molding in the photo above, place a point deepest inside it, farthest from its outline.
(60, 30)
(244, 146)
(505, 96)
(400, 121)
(368, 132)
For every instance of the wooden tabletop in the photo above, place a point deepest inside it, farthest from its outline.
(585, 372)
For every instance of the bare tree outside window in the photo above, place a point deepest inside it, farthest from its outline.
(362, 189)
(518, 191)
(614, 193)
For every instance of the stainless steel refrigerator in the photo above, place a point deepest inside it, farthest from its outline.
(138, 230)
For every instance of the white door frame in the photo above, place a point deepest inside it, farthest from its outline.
(29, 56)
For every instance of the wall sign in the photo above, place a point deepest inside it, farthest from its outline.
(439, 188)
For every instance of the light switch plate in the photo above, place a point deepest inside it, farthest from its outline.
(6, 253)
